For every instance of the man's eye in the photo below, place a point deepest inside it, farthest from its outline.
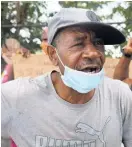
(79, 44)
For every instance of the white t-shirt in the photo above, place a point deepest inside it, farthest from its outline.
(36, 116)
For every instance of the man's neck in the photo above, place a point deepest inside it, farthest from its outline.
(67, 93)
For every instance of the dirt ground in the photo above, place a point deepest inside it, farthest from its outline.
(39, 64)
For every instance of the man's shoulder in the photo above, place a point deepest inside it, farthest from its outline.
(110, 81)
(27, 84)
(25, 90)
(114, 84)
(115, 90)
(35, 82)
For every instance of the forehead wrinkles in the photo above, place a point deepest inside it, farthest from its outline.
(84, 36)
(81, 33)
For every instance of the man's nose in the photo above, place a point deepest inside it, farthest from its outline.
(91, 52)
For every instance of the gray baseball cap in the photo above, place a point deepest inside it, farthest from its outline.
(82, 17)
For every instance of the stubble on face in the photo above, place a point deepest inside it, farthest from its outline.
(66, 39)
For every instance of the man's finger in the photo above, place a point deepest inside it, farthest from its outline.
(129, 42)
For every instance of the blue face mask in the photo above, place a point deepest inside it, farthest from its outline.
(81, 81)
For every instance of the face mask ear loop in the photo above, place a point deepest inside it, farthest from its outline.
(59, 59)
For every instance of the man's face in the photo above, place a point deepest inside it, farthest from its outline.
(81, 50)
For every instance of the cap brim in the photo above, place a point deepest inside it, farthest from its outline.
(109, 34)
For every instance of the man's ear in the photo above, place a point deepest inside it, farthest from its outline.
(51, 51)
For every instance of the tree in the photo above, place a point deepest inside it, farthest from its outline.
(82, 4)
(24, 15)
(122, 8)
(125, 11)
(27, 15)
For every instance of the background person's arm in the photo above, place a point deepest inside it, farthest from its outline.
(129, 82)
(122, 69)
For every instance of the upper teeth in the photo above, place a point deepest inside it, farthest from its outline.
(91, 70)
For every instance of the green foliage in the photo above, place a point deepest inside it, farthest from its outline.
(23, 13)
(124, 11)
(94, 5)
(28, 13)
(82, 4)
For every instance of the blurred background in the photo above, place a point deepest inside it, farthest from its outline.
(25, 20)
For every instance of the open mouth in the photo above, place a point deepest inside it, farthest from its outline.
(91, 69)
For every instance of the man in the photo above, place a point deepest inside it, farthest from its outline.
(122, 68)
(78, 106)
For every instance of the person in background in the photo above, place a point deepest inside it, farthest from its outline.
(122, 69)
(44, 39)
(10, 48)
